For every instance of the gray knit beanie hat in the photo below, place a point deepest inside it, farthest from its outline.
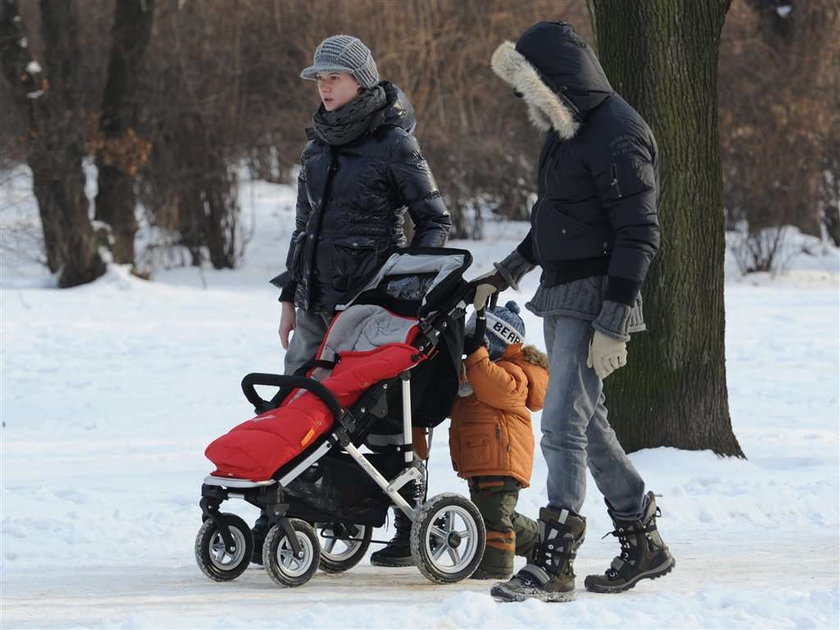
(343, 53)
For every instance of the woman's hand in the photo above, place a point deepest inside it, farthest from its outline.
(287, 323)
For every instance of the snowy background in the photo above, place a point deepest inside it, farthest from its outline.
(110, 392)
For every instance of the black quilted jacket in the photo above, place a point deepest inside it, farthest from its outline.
(351, 206)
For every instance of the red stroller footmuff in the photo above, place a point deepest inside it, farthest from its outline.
(365, 344)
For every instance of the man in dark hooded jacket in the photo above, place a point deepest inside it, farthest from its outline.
(594, 231)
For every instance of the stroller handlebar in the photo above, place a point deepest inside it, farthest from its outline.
(286, 382)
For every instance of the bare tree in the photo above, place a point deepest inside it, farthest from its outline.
(780, 112)
(195, 118)
(675, 394)
(120, 152)
(55, 130)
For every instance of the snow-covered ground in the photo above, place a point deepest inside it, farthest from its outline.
(110, 393)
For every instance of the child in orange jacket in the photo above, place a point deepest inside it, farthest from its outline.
(490, 437)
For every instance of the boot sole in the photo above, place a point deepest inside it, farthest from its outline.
(487, 576)
(393, 563)
(663, 569)
(502, 594)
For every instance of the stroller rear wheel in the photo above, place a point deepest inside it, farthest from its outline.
(217, 562)
(447, 538)
(281, 562)
(343, 545)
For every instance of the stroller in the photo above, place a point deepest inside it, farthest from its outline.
(388, 362)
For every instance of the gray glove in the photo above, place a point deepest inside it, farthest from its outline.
(486, 285)
(507, 273)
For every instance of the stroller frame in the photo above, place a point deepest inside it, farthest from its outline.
(269, 494)
(224, 545)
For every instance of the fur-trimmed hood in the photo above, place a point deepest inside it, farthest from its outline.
(536, 356)
(556, 73)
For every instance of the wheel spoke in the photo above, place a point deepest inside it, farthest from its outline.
(453, 555)
(449, 521)
(464, 535)
(436, 531)
(437, 553)
(329, 544)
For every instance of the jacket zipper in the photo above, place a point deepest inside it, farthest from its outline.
(539, 204)
(614, 182)
(316, 233)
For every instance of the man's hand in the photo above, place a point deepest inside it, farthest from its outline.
(485, 286)
(287, 323)
(606, 354)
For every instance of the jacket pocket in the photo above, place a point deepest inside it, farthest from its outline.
(480, 448)
(295, 249)
(628, 177)
(555, 230)
(353, 263)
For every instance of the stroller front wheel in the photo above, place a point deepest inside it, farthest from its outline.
(217, 562)
(447, 538)
(283, 565)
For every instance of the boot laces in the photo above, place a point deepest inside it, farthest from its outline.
(623, 534)
(624, 541)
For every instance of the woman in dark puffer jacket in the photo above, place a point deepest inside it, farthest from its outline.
(360, 171)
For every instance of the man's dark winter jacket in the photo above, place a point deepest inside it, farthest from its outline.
(595, 212)
(351, 205)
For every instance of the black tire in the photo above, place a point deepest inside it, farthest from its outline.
(351, 552)
(447, 538)
(213, 559)
(278, 558)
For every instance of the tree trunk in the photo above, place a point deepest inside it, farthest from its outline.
(661, 55)
(55, 135)
(119, 152)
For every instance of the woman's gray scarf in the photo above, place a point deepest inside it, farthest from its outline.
(345, 124)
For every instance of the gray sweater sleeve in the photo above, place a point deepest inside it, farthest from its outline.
(513, 268)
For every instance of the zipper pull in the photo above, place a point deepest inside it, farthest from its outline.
(614, 182)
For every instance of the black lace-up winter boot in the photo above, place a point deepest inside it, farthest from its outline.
(397, 553)
(643, 554)
(550, 576)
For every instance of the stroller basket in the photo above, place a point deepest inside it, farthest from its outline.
(336, 485)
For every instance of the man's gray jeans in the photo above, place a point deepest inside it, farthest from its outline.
(576, 433)
(310, 328)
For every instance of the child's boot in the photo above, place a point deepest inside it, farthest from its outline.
(550, 576)
(497, 562)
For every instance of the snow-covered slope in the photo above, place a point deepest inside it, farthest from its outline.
(110, 393)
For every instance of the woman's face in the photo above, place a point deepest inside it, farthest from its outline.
(336, 89)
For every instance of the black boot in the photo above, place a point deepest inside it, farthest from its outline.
(550, 576)
(259, 531)
(397, 553)
(643, 554)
